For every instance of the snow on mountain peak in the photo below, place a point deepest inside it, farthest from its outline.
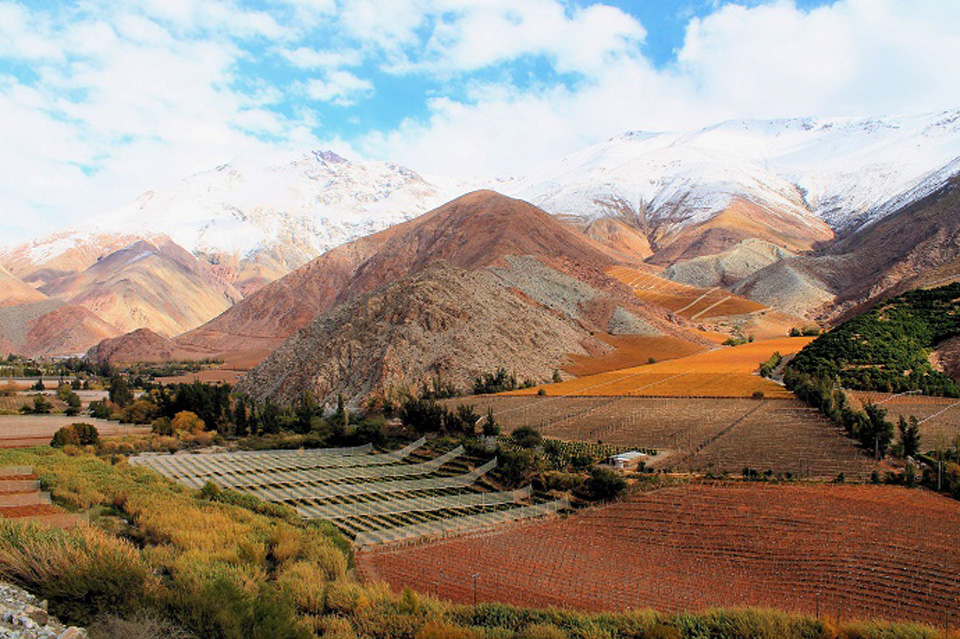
(847, 171)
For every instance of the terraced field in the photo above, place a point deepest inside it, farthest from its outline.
(782, 435)
(844, 551)
(373, 498)
(688, 301)
(939, 416)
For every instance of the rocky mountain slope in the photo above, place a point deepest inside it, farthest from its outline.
(442, 320)
(472, 231)
(49, 328)
(481, 282)
(727, 267)
(916, 246)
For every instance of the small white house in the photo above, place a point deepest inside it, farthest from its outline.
(629, 459)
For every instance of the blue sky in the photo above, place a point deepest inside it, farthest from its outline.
(101, 100)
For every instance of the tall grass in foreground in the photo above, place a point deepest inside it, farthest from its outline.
(220, 565)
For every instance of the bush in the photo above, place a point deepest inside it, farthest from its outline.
(187, 422)
(527, 437)
(79, 434)
(604, 484)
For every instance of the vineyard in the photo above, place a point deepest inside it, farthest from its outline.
(373, 498)
(631, 350)
(842, 551)
(717, 435)
(688, 301)
(939, 416)
(726, 372)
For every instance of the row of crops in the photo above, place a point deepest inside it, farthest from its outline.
(374, 498)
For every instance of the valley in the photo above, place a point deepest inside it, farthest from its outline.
(671, 383)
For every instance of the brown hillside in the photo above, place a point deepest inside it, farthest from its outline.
(156, 285)
(51, 328)
(442, 320)
(142, 345)
(14, 292)
(740, 221)
(475, 230)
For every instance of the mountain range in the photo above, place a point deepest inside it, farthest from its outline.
(311, 258)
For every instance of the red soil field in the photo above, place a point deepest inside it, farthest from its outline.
(16, 512)
(782, 435)
(844, 551)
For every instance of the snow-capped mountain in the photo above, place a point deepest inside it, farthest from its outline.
(277, 216)
(844, 171)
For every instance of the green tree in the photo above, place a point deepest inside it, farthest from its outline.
(490, 426)
(878, 432)
(909, 436)
(120, 393)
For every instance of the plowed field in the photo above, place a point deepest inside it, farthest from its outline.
(847, 551)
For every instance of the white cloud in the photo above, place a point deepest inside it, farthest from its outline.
(309, 58)
(126, 96)
(852, 57)
(338, 87)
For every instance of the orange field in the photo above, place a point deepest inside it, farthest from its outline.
(688, 301)
(632, 350)
(828, 550)
(725, 372)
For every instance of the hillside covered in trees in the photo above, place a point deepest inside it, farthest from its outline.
(888, 348)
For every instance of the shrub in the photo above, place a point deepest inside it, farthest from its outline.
(82, 572)
(187, 422)
(40, 406)
(604, 484)
(139, 412)
(527, 437)
(79, 434)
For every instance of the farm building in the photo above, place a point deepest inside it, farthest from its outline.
(627, 460)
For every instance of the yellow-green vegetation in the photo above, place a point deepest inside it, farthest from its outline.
(224, 565)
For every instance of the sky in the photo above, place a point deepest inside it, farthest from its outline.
(101, 100)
